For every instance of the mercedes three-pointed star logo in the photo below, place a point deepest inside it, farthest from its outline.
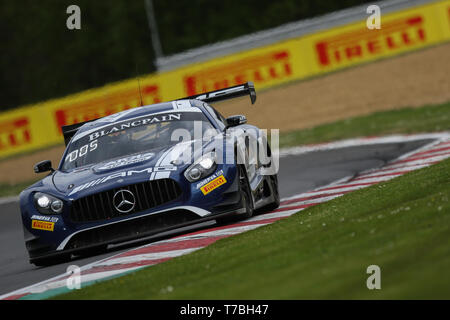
(124, 201)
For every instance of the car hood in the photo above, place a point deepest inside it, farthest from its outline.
(153, 164)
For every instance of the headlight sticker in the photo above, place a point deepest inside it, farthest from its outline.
(211, 177)
(44, 218)
(42, 225)
(210, 186)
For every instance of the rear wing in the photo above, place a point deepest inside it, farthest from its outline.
(227, 93)
(212, 96)
(70, 130)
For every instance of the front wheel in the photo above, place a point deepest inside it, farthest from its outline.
(246, 193)
(246, 196)
(273, 180)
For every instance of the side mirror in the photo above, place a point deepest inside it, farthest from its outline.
(234, 121)
(43, 166)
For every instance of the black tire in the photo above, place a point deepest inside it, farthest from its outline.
(275, 193)
(244, 187)
(246, 193)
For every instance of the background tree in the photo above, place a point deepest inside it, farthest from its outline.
(41, 59)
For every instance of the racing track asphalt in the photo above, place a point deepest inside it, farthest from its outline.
(298, 173)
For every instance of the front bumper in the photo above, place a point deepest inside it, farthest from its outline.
(145, 226)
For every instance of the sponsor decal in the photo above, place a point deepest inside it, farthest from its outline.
(44, 218)
(122, 174)
(262, 68)
(152, 119)
(125, 161)
(362, 43)
(134, 123)
(15, 133)
(106, 104)
(211, 177)
(210, 186)
(42, 225)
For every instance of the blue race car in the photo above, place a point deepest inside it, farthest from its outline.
(144, 171)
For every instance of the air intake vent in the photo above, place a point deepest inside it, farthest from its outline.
(145, 195)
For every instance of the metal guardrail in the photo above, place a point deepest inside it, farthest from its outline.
(281, 33)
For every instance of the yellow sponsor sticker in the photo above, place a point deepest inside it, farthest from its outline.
(210, 186)
(42, 225)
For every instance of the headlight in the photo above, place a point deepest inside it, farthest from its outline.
(201, 168)
(47, 204)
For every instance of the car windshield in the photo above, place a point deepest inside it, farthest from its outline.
(133, 136)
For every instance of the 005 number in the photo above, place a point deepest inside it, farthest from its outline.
(78, 153)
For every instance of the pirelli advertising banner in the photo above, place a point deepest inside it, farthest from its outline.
(37, 126)
(25, 129)
(98, 103)
(400, 32)
(266, 67)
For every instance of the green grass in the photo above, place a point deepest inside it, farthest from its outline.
(14, 189)
(320, 253)
(430, 118)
